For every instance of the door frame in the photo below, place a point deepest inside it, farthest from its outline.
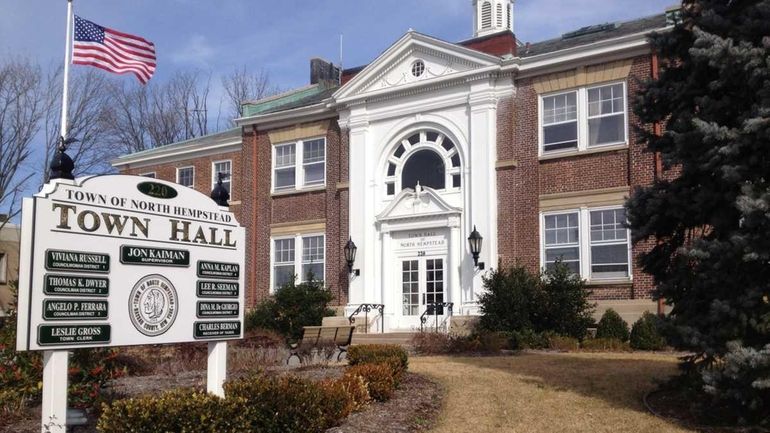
(404, 321)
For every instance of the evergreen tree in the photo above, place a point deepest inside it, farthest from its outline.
(710, 214)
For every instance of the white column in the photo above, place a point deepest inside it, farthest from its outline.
(388, 290)
(361, 288)
(455, 250)
(54, 414)
(483, 156)
(217, 368)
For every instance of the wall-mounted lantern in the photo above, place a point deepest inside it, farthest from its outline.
(475, 240)
(350, 256)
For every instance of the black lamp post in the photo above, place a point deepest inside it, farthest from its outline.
(475, 240)
(350, 256)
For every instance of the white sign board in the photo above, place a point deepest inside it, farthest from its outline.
(126, 260)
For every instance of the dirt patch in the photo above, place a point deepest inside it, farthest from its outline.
(413, 408)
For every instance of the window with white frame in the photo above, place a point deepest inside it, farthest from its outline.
(299, 165)
(226, 168)
(3, 268)
(584, 118)
(592, 242)
(302, 256)
(185, 176)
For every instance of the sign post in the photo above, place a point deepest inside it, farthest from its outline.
(116, 260)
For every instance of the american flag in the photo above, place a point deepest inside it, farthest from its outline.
(112, 50)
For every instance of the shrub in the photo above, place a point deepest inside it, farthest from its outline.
(519, 302)
(565, 309)
(292, 307)
(645, 334)
(356, 388)
(562, 343)
(605, 345)
(529, 339)
(612, 325)
(434, 343)
(174, 411)
(393, 355)
(379, 378)
(510, 299)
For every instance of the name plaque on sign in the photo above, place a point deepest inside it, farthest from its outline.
(217, 289)
(218, 270)
(214, 330)
(63, 309)
(132, 255)
(58, 260)
(208, 309)
(59, 335)
(66, 285)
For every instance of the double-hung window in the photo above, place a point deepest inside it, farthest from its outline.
(226, 168)
(302, 256)
(582, 119)
(592, 242)
(299, 165)
(185, 176)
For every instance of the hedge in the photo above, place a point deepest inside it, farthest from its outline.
(391, 354)
(612, 325)
(379, 379)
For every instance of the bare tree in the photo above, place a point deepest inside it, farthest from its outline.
(21, 108)
(242, 85)
(87, 114)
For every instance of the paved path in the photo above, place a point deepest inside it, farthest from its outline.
(535, 392)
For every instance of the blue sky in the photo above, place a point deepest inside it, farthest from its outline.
(282, 35)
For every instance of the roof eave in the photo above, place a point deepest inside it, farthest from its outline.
(319, 109)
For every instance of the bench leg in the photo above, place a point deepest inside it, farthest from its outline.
(292, 354)
(342, 350)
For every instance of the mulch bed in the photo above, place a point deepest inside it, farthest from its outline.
(413, 408)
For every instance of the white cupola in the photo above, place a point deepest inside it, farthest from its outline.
(492, 16)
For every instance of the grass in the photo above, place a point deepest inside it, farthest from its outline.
(532, 392)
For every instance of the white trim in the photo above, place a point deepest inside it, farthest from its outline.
(584, 243)
(582, 122)
(299, 167)
(193, 175)
(147, 174)
(298, 247)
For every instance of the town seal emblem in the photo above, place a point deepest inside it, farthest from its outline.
(153, 305)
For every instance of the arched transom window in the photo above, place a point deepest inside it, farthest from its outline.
(427, 157)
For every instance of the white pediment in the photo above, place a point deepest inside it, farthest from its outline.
(421, 202)
(393, 69)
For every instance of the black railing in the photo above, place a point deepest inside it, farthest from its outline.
(435, 309)
(366, 308)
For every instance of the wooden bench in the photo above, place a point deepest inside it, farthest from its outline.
(319, 336)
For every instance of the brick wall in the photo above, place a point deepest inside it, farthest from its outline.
(519, 188)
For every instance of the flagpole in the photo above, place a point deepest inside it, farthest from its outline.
(65, 89)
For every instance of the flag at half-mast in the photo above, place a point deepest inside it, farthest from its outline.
(112, 50)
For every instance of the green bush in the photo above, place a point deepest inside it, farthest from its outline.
(526, 304)
(612, 325)
(174, 411)
(393, 355)
(605, 345)
(529, 339)
(646, 335)
(379, 379)
(292, 307)
(439, 343)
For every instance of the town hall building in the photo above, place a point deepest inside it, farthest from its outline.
(532, 147)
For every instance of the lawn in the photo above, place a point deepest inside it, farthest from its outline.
(544, 392)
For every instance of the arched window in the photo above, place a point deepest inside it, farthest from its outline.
(426, 167)
(428, 157)
(486, 15)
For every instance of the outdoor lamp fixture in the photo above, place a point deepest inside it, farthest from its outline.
(474, 240)
(350, 256)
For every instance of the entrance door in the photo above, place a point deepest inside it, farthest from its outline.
(422, 284)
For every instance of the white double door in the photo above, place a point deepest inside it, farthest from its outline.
(423, 283)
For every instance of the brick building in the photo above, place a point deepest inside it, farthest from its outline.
(532, 145)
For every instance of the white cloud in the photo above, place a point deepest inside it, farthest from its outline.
(196, 51)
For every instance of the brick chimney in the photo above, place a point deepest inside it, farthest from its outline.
(323, 72)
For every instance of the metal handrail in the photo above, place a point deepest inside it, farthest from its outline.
(433, 307)
(366, 308)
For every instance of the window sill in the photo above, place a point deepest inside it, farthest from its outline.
(590, 151)
(290, 192)
(608, 282)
